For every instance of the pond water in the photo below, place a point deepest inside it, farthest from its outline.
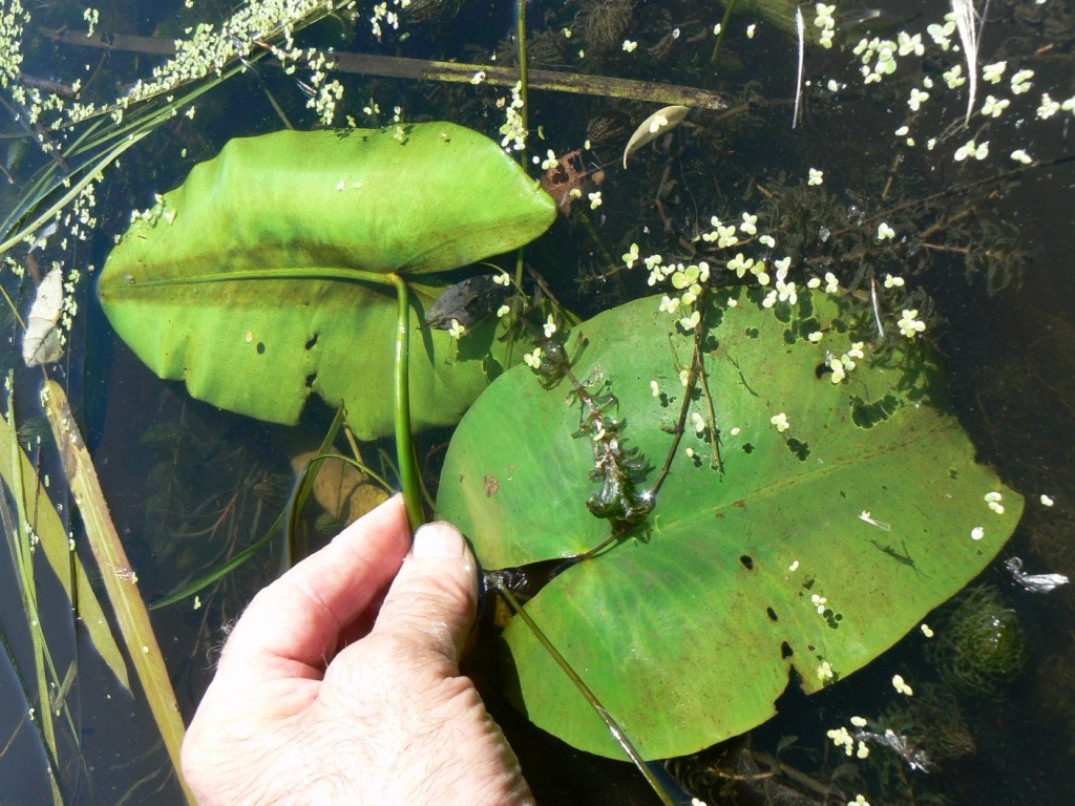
(865, 166)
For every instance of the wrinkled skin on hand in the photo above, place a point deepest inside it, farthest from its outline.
(326, 694)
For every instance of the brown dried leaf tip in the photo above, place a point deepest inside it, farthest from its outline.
(569, 180)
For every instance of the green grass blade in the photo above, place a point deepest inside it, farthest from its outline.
(23, 541)
(89, 176)
(119, 578)
(305, 489)
(203, 582)
(49, 528)
(288, 517)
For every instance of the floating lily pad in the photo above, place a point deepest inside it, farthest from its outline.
(265, 277)
(814, 548)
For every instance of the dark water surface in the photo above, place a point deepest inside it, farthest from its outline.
(986, 244)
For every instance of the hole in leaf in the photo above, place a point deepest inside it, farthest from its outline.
(311, 342)
(748, 448)
(261, 348)
(747, 561)
(808, 326)
(772, 614)
(310, 379)
(786, 650)
(800, 449)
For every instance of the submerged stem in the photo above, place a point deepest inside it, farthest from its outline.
(520, 35)
(729, 8)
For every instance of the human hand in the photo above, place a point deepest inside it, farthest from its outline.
(320, 698)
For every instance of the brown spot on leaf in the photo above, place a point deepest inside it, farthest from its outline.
(490, 485)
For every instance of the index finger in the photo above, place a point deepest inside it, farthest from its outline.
(293, 626)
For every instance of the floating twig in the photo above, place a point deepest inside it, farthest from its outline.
(454, 72)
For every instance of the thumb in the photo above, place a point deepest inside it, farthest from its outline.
(432, 601)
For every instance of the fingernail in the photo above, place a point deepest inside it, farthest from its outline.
(437, 540)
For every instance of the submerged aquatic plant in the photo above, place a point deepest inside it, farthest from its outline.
(981, 644)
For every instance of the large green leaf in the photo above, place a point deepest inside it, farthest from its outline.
(687, 630)
(307, 224)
